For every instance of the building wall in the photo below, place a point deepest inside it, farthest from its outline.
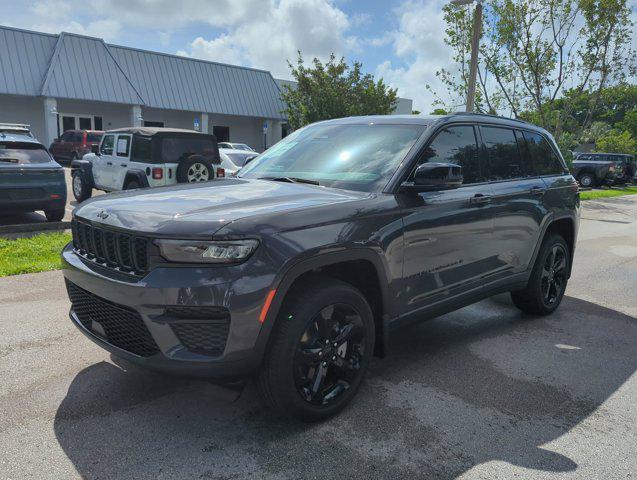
(113, 115)
(22, 109)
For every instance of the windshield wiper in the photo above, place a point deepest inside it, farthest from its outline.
(290, 180)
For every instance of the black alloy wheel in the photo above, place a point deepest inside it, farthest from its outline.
(329, 354)
(554, 275)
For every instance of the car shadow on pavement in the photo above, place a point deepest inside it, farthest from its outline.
(485, 383)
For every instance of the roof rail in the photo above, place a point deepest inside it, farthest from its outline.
(16, 126)
(491, 116)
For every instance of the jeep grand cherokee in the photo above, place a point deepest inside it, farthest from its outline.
(296, 270)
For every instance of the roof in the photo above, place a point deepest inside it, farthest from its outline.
(86, 68)
(152, 130)
(17, 137)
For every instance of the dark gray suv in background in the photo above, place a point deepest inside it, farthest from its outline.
(297, 269)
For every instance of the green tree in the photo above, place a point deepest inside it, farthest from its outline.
(334, 90)
(532, 50)
(617, 142)
(629, 123)
(439, 111)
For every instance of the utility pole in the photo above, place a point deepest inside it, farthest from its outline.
(475, 47)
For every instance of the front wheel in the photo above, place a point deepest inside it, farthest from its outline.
(81, 189)
(319, 352)
(549, 277)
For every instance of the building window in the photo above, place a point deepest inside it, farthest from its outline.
(221, 133)
(150, 123)
(98, 123)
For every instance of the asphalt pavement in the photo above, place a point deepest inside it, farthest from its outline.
(485, 392)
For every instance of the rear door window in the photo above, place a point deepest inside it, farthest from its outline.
(107, 145)
(456, 145)
(123, 145)
(505, 162)
(543, 159)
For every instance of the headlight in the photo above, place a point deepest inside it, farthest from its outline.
(193, 251)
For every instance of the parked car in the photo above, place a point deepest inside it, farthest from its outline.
(74, 144)
(624, 166)
(16, 129)
(233, 160)
(130, 158)
(592, 170)
(236, 146)
(30, 179)
(297, 269)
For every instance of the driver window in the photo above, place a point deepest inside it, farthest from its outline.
(107, 145)
(456, 145)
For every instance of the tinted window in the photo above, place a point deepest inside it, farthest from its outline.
(172, 149)
(22, 153)
(543, 159)
(350, 156)
(503, 153)
(67, 137)
(93, 137)
(107, 145)
(77, 137)
(141, 149)
(456, 145)
(98, 123)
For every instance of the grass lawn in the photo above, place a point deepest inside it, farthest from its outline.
(592, 194)
(35, 254)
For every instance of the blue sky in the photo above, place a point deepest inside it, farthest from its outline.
(399, 40)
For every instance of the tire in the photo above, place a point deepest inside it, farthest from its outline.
(54, 215)
(195, 168)
(131, 185)
(533, 299)
(587, 180)
(81, 189)
(282, 381)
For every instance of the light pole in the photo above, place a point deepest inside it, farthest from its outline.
(475, 46)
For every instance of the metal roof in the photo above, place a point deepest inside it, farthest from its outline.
(86, 68)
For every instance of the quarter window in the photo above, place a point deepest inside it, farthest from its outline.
(141, 149)
(456, 145)
(504, 156)
(107, 145)
(543, 159)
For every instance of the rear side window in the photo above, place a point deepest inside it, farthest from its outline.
(141, 149)
(503, 153)
(456, 145)
(173, 149)
(107, 145)
(22, 154)
(543, 159)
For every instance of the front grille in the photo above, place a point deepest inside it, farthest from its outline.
(119, 251)
(207, 338)
(120, 326)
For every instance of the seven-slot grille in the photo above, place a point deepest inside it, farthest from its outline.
(118, 325)
(119, 251)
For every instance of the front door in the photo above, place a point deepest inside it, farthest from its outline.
(448, 234)
(121, 161)
(102, 163)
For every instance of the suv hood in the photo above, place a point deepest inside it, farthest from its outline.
(196, 210)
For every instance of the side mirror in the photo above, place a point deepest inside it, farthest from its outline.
(435, 176)
(95, 149)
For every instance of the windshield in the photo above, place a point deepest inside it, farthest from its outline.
(353, 157)
(23, 153)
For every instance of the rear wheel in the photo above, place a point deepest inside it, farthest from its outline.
(131, 185)
(319, 352)
(587, 180)
(54, 215)
(547, 284)
(81, 189)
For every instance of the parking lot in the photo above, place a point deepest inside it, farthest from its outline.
(484, 392)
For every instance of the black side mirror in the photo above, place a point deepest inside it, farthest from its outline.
(95, 149)
(435, 176)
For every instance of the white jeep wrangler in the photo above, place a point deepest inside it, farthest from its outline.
(139, 157)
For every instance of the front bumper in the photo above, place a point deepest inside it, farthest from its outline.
(167, 304)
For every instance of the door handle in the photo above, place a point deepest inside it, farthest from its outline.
(537, 190)
(109, 163)
(122, 165)
(480, 199)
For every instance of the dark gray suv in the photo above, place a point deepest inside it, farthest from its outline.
(297, 269)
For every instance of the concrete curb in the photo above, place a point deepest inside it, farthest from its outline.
(34, 227)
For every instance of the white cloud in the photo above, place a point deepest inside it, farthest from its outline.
(268, 40)
(418, 42)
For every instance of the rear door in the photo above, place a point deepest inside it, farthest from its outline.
(448, 234)
(518, 197)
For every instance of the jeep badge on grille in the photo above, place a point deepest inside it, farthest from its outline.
(103, 215)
